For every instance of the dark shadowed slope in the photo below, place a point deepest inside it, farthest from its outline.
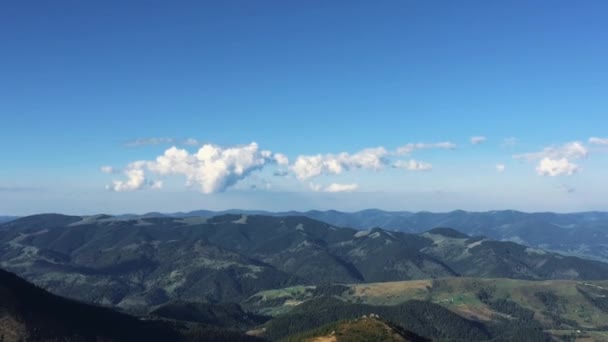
(28, 312)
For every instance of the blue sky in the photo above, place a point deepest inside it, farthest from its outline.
(92, 85)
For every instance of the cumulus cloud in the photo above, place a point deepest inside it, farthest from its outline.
(556, 160)
(281, 159)
(411, 147)
(500, 168)
(309, 166)
(478, 140)
(598, 141)
(135, 180)
(412, 165)
(306, 167)
(212, 168)
(571, 150)
(334, 187)
(556, 167)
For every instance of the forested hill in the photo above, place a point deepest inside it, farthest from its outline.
(144, 262)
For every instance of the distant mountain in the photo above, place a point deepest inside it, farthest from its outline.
(577, 233)
(583, 234)
(7, 218)
(143, 262)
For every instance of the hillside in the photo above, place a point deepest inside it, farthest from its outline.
(559, 307)
(419, 317)
(582, 234)
(31, 313)
(143, 262)
(229, 316)
(372, 329)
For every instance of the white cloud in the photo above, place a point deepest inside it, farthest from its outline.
(107, 169)
(598, 141)
(334, 187)
(556, 160)
(412, 165)
(135, 181)
(306, 167)
(500, 168)
(212, 168)
(478, 140)
(281, 159)
(571, 150)
(411, 147)
(556, 167)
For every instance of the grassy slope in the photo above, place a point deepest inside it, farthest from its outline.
(460, 295)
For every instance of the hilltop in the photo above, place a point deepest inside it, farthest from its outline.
(370, 329)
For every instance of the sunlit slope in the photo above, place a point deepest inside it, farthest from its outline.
(555, 303)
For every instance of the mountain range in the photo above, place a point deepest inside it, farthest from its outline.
(138, 263)
(581, 234)
(291, 278)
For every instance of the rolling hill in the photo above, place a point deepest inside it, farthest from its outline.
(143, 262)
(581, 234)
(562, 308)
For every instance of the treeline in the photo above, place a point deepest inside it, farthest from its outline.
(517, 324)
(230, 315)
(598, 299)
(422, 318)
